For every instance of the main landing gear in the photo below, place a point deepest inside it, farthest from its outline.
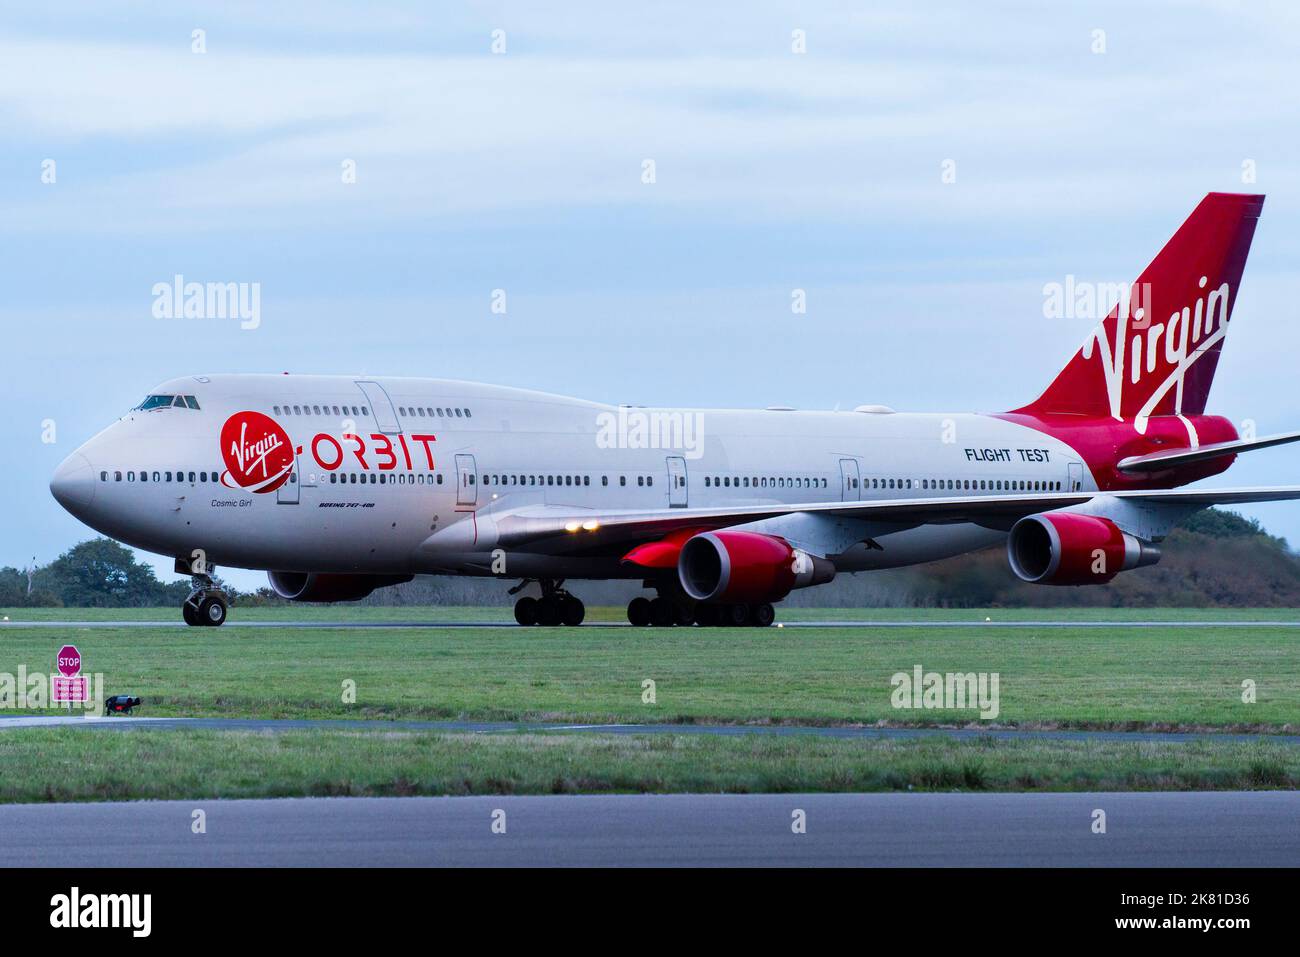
(206, 603)
(555, 607)
(663, 612)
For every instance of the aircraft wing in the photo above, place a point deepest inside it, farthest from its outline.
(567, 530)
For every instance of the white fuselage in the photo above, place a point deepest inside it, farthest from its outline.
(385, 464)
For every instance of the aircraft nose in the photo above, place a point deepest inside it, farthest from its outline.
(73, 483)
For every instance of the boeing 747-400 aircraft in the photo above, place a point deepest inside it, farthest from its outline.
(338, 485)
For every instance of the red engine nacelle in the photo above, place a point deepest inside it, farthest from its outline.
(746, 567)
(308, 586)
(1066, 548)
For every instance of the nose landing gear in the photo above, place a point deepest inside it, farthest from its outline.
(206, 603)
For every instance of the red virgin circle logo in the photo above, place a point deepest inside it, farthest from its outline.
(257, 451)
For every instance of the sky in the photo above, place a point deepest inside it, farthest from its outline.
(920, 170)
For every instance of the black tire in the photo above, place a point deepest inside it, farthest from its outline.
(737, 616)
(661, 613)
(526, 611)
(212, 612)
(683, 614)
(190, 615)
(548, 612)
(706, 615)
(764, 615)
(638, 611)
(572, 611)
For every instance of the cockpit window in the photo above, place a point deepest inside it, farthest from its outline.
(155, 402)
(168, 401)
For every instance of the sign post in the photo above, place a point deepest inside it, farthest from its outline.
(70, 686)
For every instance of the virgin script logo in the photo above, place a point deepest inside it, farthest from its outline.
(257, 451)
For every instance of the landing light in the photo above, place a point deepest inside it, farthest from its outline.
(571, 526)
(591, 525)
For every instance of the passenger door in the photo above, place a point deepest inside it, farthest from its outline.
(849, 480)
(288, 493)
(1076, 477)
(466, 480)
(677, 487)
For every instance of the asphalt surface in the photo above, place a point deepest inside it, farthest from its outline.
(138, 722)
(1200, 829)
(233, 622)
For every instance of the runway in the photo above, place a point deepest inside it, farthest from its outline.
(232, 622)
(1179, 829)
(273, 725)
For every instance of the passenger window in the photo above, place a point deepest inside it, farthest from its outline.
(458, 413)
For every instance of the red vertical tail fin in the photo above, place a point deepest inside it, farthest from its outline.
(1158, 355)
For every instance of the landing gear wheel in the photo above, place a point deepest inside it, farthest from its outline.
(764, 615)
(683, 615)
(548, 611)
(572, 611)
(190, 614)
(638, 611)
(661, 613)
(706, 615)
(212, 612)
(526, 610)
(736, 615)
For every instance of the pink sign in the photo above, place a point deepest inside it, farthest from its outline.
(71, 689)
(69, 661)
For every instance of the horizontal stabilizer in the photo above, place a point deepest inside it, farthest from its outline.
(1159, 461)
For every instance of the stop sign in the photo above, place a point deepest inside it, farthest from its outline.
(69, 661)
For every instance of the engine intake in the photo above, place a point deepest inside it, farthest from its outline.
(747, 567)
(309, 586)
(1066, 548)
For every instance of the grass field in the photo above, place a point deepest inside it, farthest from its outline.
(1161, 678)
(80, 765)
